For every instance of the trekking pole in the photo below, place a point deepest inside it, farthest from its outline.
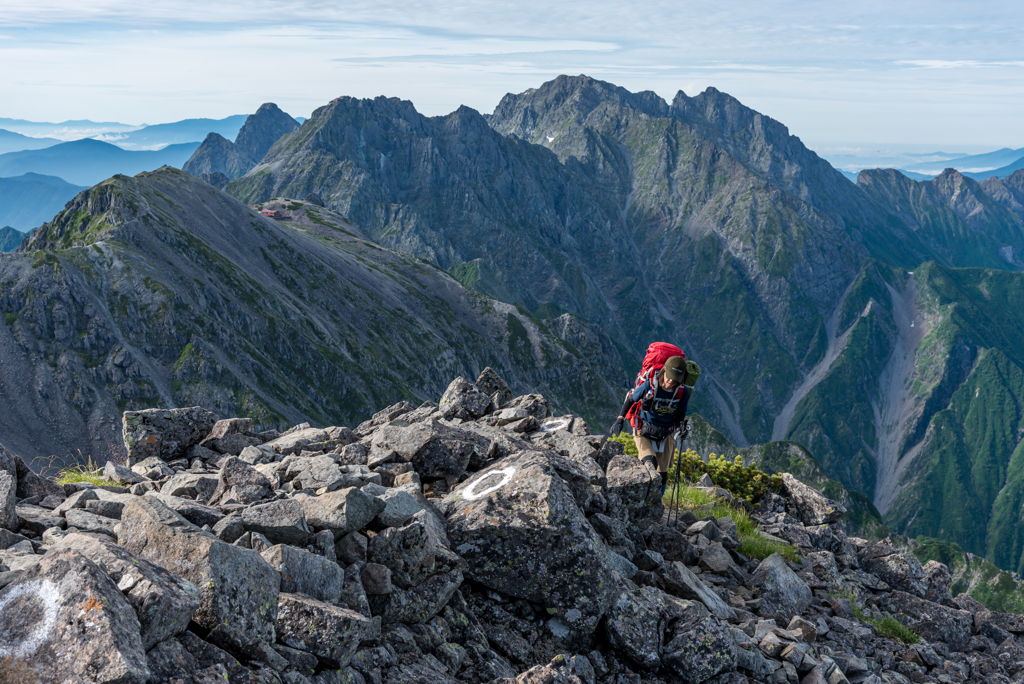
(676, 493)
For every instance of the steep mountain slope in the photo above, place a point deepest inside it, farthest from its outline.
(10, 238)
(161, 290)
(85, 162)
(28, 200)
(260, 131)
(572, 232)
(217, 154)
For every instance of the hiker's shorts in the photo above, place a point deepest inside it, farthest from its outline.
(662, 451)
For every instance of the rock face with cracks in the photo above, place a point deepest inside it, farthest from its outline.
(520, 531)
(238, 588)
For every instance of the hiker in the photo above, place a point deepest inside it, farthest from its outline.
(656, 406)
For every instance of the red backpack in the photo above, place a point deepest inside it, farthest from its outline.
(654, 360)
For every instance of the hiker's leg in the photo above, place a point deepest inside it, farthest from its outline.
(643, 446)
(665, 455)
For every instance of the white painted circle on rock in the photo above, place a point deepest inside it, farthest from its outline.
(471, 493)
(44, 591)
(552, 425)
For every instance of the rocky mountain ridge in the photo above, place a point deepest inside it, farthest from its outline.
(478, 539)
(260, 131)
(160, 290)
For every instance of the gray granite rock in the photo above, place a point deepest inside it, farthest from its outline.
(303, 572)
(462, 399)
(163, 602)
(240, 482)
(419, 604)
(679, 580)
(700, 648)
(282, 521)
(196, 513)
(813, 507)
(331, 633)
(239, 588)
(165, 433)
(518, 526)
(66, 621)
(8, 501)
(782, 591)
(341, 512)
(635, 625)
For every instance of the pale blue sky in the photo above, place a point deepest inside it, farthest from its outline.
(947, 74)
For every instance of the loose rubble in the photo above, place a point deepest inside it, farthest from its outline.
(480, 539)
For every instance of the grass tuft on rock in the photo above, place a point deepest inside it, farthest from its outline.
(83, 472)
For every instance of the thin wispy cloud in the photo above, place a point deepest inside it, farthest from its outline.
(870, 71)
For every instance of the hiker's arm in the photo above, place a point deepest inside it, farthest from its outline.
(681, 409)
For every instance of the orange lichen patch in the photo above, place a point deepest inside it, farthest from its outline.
(149, 439)
(93, 604)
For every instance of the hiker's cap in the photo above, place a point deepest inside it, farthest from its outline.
(675, 368)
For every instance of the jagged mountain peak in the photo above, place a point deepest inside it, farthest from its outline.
(262, 129)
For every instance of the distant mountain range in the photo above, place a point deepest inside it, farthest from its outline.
(16, 142)
(87, 162)
(28, 200)
(65, 130)
(187, 131)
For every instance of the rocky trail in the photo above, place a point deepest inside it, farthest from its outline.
(479, 539)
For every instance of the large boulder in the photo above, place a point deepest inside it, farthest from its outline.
(463, 400)
(491, 384)
(932, 621)
(519, 528)
(700, 648)
(634, 488)
(238, 588)
(163, 602)
(165, 433)
(341, 512)
(435, 450)
(241, 483)
(282, 522)
(782, 591)
(307, 573)
(813, 507)
(66, 621)
(331, 633)
(899, 570)
(635, 625)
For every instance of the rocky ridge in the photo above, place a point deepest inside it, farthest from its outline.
(476, 539)
(160, 290)
(218, 155)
